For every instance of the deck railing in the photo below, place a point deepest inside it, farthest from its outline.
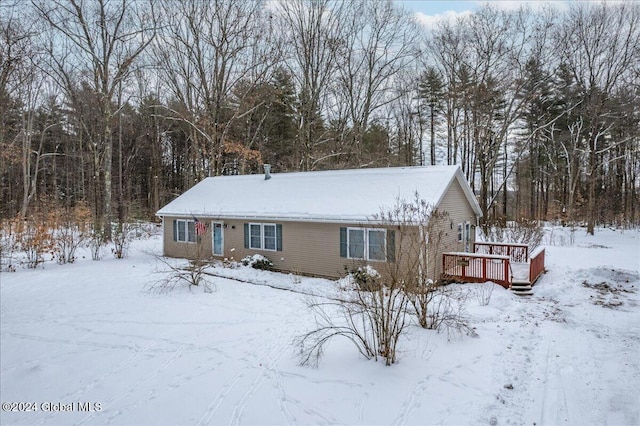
(536, 265)
(474, 267)
(516, 252)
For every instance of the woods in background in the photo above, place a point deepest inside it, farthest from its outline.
(120, 106)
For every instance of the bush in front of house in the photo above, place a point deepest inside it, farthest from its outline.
(366, 278)
(258, 261)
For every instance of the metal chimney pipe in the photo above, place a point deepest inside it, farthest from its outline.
(267, 171)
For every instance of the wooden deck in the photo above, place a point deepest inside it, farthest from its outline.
(504, 264)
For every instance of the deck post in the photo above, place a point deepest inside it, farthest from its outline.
(484, 268)
(507, 278)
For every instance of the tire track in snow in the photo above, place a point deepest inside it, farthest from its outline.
(514, 364)
(51, 355)
(82, 391)
(410, 403)
(267, 370)
(269, 366)
(210, 411)
(144, 379)
(276, 378)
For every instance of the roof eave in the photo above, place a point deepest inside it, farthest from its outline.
(276, 218)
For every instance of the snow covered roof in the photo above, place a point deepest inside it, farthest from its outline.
(326, 196)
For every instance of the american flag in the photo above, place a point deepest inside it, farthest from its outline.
(201, 228)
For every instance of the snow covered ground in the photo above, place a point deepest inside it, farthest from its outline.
(85, 343)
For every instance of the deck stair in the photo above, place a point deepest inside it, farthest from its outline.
(521, 288)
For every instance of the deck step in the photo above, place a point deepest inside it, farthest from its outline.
(521, 288)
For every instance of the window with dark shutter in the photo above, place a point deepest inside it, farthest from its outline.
(279, 237)
(343, 242)
(391, 246)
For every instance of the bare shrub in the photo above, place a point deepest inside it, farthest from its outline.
(121, 238)
(71, 230)
(372, 320)
(95, 242)
(448, 312)
(34, 240)
(483, 292)
(8, 245)
(295, 277)
(419, 231)
(175, 274)
(523, 231)
(374, 311)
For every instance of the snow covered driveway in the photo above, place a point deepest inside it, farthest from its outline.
(86, 344)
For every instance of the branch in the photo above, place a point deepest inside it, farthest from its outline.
(521, 151)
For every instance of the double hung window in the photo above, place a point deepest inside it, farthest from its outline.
(263, 236)
(184, 231)
(366, 244)
(269, 236)
(255, 237)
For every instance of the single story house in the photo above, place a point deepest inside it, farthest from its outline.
(314, 223)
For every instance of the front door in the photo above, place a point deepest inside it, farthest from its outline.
(218, 239)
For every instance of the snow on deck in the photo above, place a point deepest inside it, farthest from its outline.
(519, 271)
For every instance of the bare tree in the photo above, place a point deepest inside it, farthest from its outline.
(599, 44)
(483, 59)
(315, 31)
(205, 52)
(405, 120)
(419, 234)
(379, 40)
(16, 80)
(16, 48)
(98, 42)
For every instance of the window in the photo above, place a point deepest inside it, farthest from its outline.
(184, 231)
(356, 243)
(377, 244)
(366, 244)
(269, 233)
(464, 232)
(263, 236)
(255, 241)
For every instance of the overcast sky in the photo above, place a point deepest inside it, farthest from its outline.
(430, 11)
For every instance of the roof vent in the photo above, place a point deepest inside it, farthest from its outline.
(267, 171)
